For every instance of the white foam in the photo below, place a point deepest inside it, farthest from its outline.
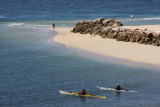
(33, 26)
(15, 24)
(157, 18)
(42, 25)
(139, 19)
(37, 26)
(30, 27)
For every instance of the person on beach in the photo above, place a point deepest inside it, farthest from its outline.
(83, 92)
(131, 16)
(53, 25)
(118, 87)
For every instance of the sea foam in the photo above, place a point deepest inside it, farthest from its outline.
(15, 24)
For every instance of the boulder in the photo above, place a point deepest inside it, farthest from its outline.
(109, 20)
(109, 28)
(99, 21)
(158, 43)
(88, 22)
(142, 40)
(117, 24)
(113, 33)
(147, 40)
(150, 35)
(96, 30)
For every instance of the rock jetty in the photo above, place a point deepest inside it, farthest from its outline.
(109, 28)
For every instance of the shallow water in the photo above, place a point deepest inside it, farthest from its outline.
(33, 68)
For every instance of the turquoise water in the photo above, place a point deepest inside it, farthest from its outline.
(33, 67)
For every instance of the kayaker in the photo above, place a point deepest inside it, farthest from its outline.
(83, 92)
(118, 87)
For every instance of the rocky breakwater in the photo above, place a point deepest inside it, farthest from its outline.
(109, 28)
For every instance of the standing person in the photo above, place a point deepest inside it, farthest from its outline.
(83, 92)
(53, 25)
(131, 16)
(118, 87)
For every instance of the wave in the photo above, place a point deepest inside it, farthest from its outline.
(140, 19)
(28, 25)
(15, 24)
(42, 25)
(157, 18)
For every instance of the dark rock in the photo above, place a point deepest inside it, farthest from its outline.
(158, 43)
(147, 40)
(116, 24)
(121, 37)
(113, 33)
(158, 36)
(150, 35)
(103, 34)
(138, 38)
(96, 30)
(88, 22)
(143, 34)
(110, 28)
(105, 22)
(142, 40)
(154, 41)
(99, 21)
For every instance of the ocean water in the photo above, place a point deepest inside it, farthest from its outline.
(77, 9)
(33, 68)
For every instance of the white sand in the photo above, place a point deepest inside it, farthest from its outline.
(110, 47)
(154, 28)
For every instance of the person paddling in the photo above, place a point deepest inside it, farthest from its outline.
(118, 87)
(83, 92)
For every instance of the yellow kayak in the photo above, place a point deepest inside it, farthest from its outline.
(77, 94)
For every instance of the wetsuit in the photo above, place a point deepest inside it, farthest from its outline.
(53, 25)
(118, 87)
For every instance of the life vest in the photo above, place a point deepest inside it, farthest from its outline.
(83, 92)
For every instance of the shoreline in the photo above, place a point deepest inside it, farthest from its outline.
(135, 52)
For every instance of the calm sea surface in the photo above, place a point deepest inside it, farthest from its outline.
(33, 67)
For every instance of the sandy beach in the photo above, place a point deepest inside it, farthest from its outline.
(110, 47)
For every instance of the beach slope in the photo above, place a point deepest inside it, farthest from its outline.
(110, 47)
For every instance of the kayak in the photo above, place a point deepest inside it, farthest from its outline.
(113, 89)
(77, 94)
